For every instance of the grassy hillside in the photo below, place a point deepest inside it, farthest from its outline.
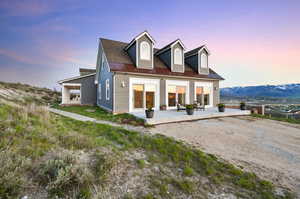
(43, 155)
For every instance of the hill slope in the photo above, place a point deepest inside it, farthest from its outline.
(43, 155)
(275, 91)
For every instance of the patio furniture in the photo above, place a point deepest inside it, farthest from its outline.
(198, 106)
(180, 107)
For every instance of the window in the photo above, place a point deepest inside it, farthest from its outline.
(178, 56)
(99, 91)
(145, 50)
(204, 61)
(107, 89)
(176, 94)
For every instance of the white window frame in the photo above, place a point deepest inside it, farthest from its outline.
(211, 93)
(144, 81)
(178, 57)
(107, 89)
(143, 54)
(100, 91)
(202, 60)
(177, 83)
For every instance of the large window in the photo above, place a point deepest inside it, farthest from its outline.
(138, 95)
(199, 94)
(178, 56)
(145, 50)
(204, 61)
(143, 96)
(206, 96)
(176, 94)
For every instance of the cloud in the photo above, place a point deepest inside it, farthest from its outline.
(17, 57)
(25, 8)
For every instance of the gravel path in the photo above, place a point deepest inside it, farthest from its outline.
(269, 148)
(89, 119)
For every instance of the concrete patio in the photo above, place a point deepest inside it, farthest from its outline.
(168, 116)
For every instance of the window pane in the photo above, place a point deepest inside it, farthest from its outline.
(138, 92)
(206, 99)
(172, 99)
(180, 89)
(203, 60)
(177, 56)
(150, 99)
(145, 50)
(181, 98)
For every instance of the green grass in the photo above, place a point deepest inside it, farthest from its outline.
(29, 135)
(289, 120)
(99, 113)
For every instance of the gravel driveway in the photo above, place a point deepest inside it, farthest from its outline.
(269, 148)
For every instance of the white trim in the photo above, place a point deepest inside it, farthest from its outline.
(204, 47)
(178, 50)
(211, 94)
(71, 84)
(177, 83)
(171, 76)
(139, 36)
(180, 42)
(73, 78)
(133, 80)
(100, 91)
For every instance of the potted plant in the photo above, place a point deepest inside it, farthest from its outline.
(243, 106)
(221, 107)
(189, 109)
(163, 107)
(149, 112)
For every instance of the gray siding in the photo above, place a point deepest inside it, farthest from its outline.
(166, 58)
(88, 89)
(146, 64)
(103, 76)
(132, 53)
(177, 67)
(122, 93)
(216, 93)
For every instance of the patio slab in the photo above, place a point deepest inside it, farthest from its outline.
(169, 116)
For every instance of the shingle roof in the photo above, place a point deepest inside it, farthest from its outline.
(191, 52)
(87, 70)
(119, 61)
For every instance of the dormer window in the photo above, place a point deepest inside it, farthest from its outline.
(145, 51)
(204, 61)
(178, 56)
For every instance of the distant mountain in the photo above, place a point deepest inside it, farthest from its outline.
(272, 91)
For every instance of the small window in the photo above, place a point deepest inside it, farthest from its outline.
(107, 89)
(178, 56)
(99, 91)
(204, 61)
(145, 50)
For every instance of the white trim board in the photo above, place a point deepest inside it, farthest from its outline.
(74, 78)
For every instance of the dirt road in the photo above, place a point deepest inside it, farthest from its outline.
(269, 148)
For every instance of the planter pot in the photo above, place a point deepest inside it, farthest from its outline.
(149, 114)
(163, 108)
(221, 109)
(243, 107)
(190, 111)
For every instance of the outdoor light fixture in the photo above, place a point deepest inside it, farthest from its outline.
(122, 84)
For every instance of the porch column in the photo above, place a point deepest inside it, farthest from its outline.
(65, 95)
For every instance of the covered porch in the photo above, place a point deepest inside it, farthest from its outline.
(71, 94)
(169, 116)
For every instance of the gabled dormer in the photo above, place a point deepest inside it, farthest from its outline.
(140, 50)
(198, 59)
(173, 56)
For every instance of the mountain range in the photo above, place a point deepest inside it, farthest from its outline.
(270, 91)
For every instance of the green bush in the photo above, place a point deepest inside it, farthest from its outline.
(188, 171)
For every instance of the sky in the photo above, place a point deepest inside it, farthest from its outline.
(251, 42)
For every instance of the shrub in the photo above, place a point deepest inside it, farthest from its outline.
(189, 106)
(102, 166)
(63, 175)
(188, 171)
(221, 105)
(141, 163)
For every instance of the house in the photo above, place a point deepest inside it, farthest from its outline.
(132, 76)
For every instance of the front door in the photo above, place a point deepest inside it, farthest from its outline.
(144, 96)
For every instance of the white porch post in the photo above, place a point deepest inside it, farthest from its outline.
(65, 95)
